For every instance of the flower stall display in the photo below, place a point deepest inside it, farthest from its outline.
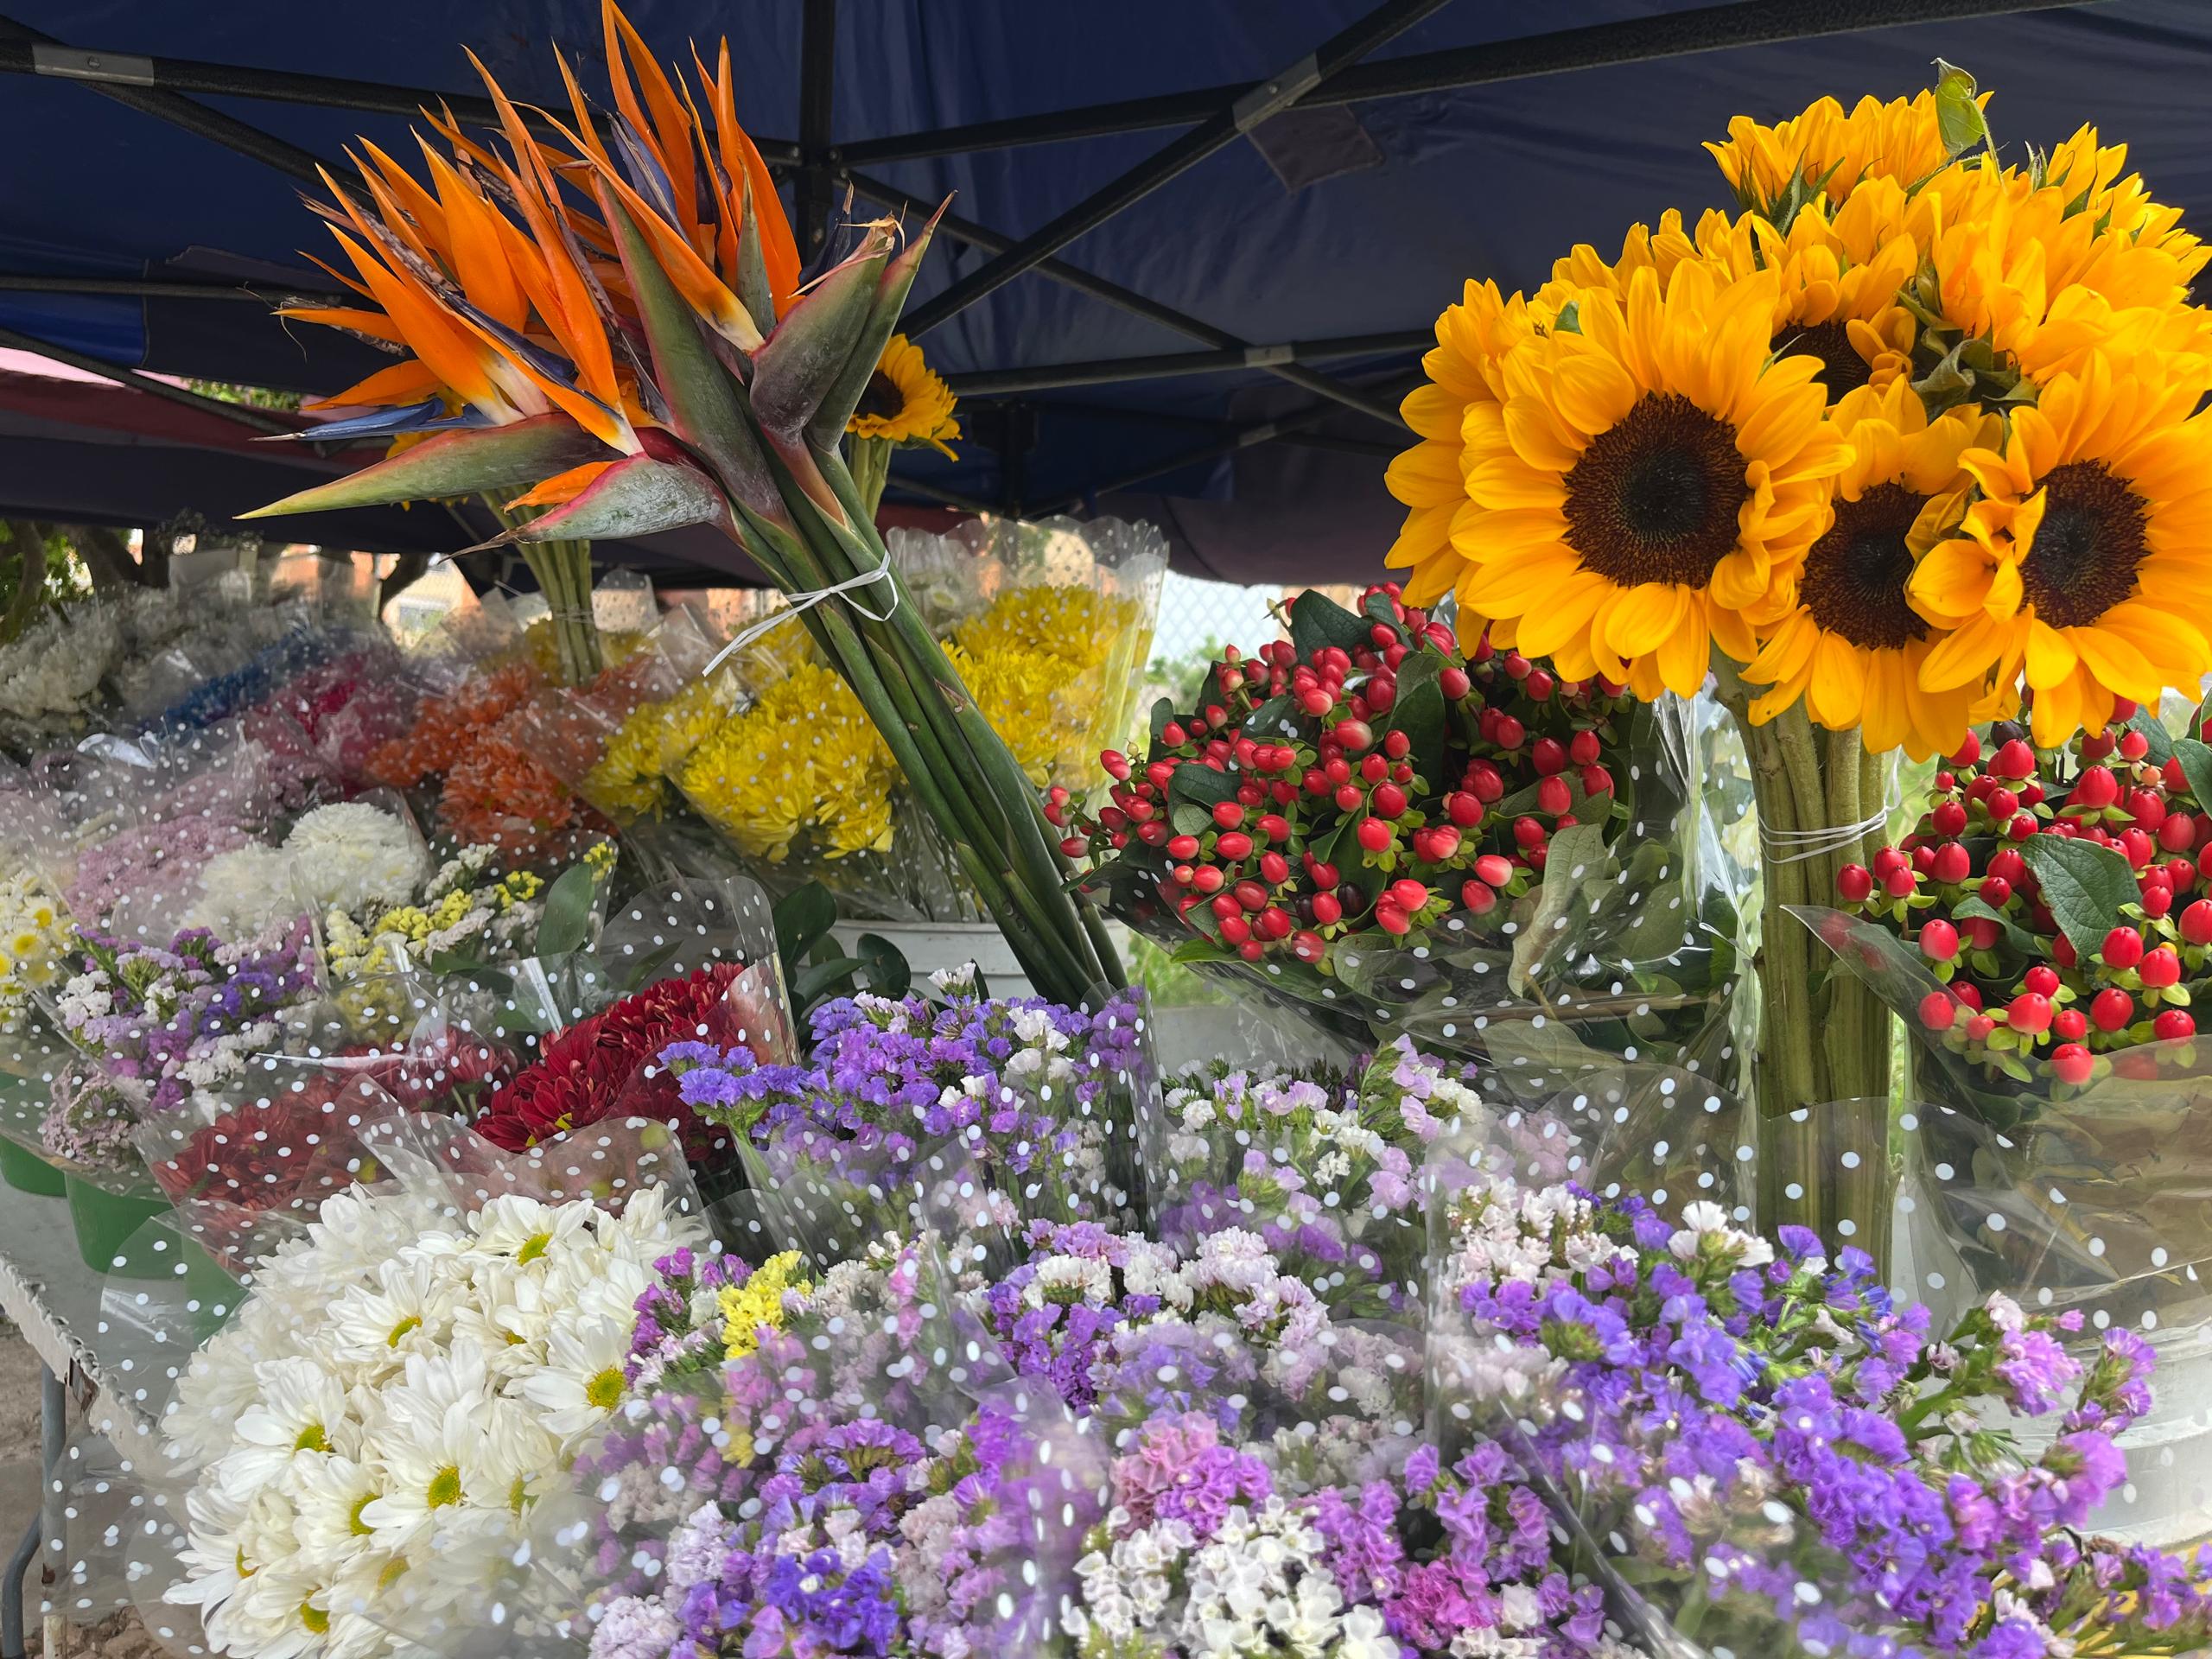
(1399, 831)
(1047, 624)
(1909, 441)
(744, 433)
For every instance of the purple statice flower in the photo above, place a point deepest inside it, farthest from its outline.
(2035, 1369)
(1180, 1470)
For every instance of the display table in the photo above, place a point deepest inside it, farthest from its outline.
(56, 1302)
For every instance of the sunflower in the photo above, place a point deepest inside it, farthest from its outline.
(1471, 340)
(1852, 646)
(1839, 276)
(1649, 477)
(1825, 154)
(907, 401)
(2084, 560)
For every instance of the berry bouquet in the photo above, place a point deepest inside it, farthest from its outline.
(1400, 831)
(2045, 932)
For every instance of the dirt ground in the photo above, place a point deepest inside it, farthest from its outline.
(119, 1637)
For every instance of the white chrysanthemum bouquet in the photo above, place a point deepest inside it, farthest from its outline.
(399, 1389)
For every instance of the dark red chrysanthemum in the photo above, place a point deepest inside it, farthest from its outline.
(593, 1068)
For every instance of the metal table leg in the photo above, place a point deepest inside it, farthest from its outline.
(54, 1417)
(52, 1430)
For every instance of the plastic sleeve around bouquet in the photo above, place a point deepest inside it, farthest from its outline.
(620, 740)
(2091, 1195)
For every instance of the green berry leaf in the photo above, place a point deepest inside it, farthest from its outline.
(1317, 621)
(2196, 760)
(2084, 884)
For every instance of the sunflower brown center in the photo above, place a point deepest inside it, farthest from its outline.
(1841, 367)
(2087, 547)
(1655, 497)
(881, 396)
(1855, 575)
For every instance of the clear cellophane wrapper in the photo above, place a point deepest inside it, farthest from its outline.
(2089, 1196)
(618, 740)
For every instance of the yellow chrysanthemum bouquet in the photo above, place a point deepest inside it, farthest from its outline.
(1045, 624)
(1907, 442)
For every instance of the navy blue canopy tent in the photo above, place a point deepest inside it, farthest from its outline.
(1195, 248)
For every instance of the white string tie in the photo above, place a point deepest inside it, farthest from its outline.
(1795, 846)
(806, 600)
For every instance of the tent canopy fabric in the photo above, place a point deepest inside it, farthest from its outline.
(1467, 139)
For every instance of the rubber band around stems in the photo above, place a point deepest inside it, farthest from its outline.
(1795, 846)
(806, 598)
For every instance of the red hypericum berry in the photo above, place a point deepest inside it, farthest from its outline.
(1225, 907)
(1946, 782)
(1901, 883)
(1390, 918)
(1939, 1010)
(1228, 814)
(1396, 745)
(1276, 922)
(1349, 798)
(1454, 682)
(1595, 781)
(2096, 787)
(2177, 832)
(2123, 948)
(2180, 874)
(1510, 733)
(1939, 941)
(1375, 835)
(1479, 897)
(1326, 909)
(2071, 1063)
(2161, 968)
(1275, 869)
(2069, 1025)
(1315, 701)
(1953, 862)
(1381, 692)
(1947, 818)
(2172, 1023)
(2009, 864)
(2023, 825)
(1485, 781)
(1251, 894)
(2173, 776)
(1173, 735)
(1855, 882)
(1406, 893)
(1308, 947)
(1462, 809)
(1583, 748)
(1979, 1027)
(1540, 685)
(2031, 793)
(1374, 768)
(1389, 800)
(1235, 929)
(1968, 993)
(1355, 735)
(1528, 833)
(2157, 901)
(2015, 759)
(1183, 847)
(2147, 808)
(1233, 845)
(1208, 878)
(1116, 764)
(1495, 869)
(1984, 932)
(1889, 859)
(1994, 891)
(2196, 922)
(2110, 1009)
(2063, 952)
(1967, 752)
(1517, 667)
(2030, 1011)
(2137, 847)
(1554, 797)
(1548, 755)
(1923, 857)
(2000, 805)
(1436, 843)
(2133, 746)
(1324, 875)
(2040, 980)
(1252, 949)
